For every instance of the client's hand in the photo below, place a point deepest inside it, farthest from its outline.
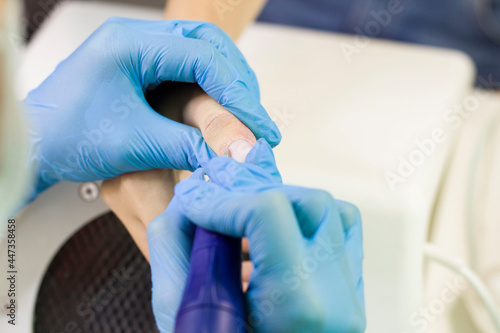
(306, 247)
(136, 198)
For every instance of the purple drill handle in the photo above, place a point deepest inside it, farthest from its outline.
(213, 300)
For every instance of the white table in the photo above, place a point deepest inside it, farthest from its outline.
(344, 126)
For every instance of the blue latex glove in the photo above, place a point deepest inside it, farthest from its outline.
(90, 120)
(306, 247)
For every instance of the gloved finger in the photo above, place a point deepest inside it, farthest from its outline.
(205, 31)
(217, 37)
(311, 206)
(169, 240)
(159, 142)
(198, 174)
(350, 214)
(262, 156)
(199, 61)
(192, 60)
(318, 216)
(235, 176)
(236, 99)
(351, 219)
(266, 218)
(331, 230)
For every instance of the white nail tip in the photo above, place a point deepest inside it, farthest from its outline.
(239, 149)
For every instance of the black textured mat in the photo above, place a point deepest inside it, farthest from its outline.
(98, 282)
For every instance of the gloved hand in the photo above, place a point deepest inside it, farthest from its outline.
(306, 247)
(90, 120)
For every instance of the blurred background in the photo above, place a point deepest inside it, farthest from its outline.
(443, 58)
(472, 26)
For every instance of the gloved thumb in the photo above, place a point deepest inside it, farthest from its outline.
(262, 156)
(160, 142)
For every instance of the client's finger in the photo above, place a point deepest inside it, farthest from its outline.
(220, 128)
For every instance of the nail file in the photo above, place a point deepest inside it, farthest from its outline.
(213, 300)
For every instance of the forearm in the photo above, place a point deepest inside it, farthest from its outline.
(232, 16)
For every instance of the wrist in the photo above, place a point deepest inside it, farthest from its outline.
(232, 18)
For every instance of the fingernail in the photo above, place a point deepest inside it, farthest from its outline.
(239, 149)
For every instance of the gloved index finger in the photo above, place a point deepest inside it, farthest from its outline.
(200, 30)
(193, 60)
(266, 218)
(205, 31)
(351, 219)
(217, 37)
(262, 156)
